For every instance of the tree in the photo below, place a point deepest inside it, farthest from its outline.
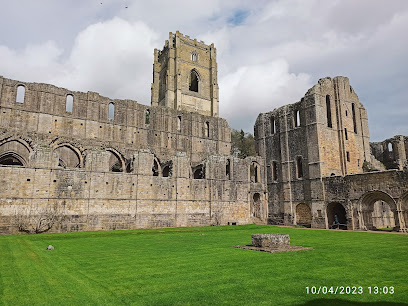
(242, 144)
(37, 220)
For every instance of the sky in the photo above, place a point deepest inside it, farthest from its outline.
(269, 53)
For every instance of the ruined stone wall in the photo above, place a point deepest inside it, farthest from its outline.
(43, 117)
(392, 152)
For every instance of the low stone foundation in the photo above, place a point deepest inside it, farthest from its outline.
(271, 243)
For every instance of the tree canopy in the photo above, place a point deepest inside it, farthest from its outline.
(242, 144)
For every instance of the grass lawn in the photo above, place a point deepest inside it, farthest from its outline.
(191, 266)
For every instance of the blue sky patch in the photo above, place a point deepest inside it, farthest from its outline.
(238, 17)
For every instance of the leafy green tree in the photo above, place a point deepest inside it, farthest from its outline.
(242, 144)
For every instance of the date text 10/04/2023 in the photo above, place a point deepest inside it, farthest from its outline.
(350, 290)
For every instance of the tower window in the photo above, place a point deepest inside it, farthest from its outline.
(228, 169)
(111, 111)
(297, 118)
(353, 111)
(299, 167)
(328, 112)
(274, 171)
(193, 86)
(207, 129)
(147, 116)
(273, 125)
(345, 133)
(20, 94)
(194, 56)
(389, 147)
(178, 123)
(69, 103)
(348, 156)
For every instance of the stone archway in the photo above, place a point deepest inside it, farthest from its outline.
(378, 211)
(256, 206)
(336, 216)
(403, 204)
(303, 215)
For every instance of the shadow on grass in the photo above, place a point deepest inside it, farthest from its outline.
(340, 302)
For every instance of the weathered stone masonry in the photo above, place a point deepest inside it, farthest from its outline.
(117, 164)
(317, 154)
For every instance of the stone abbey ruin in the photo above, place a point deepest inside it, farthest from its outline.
(76, 161)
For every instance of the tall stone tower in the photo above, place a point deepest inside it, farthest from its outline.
(185, 76)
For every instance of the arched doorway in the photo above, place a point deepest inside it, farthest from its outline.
(303, 215)
(256, 206)
(336, 216)
(378, 211)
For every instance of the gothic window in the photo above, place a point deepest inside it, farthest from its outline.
(299, 167)
(111, 111)
(273, 125)
(69, 103)
(68, 157)
(193, 86)
(207, 129)
(389, 147)
(156, 168)
(179, 123)
(228, 169)
(328, 112)
(254, 172)
(274, 171)
(199, 172)
(297, 118)
(194, 56)
(353, 111)
(147, 116)
(20, 94)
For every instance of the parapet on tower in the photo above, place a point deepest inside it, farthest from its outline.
(185, 76)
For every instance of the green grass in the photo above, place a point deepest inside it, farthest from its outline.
(190, 266)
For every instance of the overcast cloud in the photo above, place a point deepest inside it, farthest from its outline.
(269, 52)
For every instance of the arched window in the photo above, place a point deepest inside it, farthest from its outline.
(156, 167)
(116, 163)
(297, 118)
(69, 103)
(193, 86)
(199, 172)
(207, 129)
(228, 169)
(274, 171)
(111, 111)
(20, 94)
(328, 112)
(178, 123)
(194, 56)
(147, 116)
(273, 125)
(68, 157)
(353, 111)
(299, 167)
(389, 147)
(254, 172)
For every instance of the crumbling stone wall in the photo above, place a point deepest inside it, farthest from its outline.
(315, 152)
(392, 152)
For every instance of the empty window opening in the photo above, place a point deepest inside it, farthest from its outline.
(345, 133)
(297, 118)
(254, 173)
(156, 168)
(228, 169)
(348, 156)
(111, 111)
(147, 116)
(273, 125)
(20, 94)
(353, 111)
(178, 123)
(299, 167)
(193, 86)
(256, 212)
(199, 172)
(11, 159)
(194, 56)
(115, 163)
(346, 113)
(274, 171)
(207, 129)
(328, 112)
(166, 171)
(69, 103)
(389, 147)
(332, 174)
(68, 157)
